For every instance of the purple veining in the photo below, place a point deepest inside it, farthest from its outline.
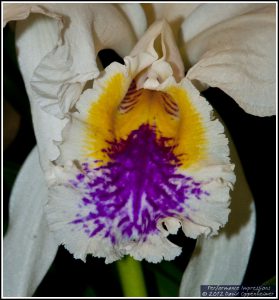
(139, 186)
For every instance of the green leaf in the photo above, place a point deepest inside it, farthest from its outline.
(89, 292)
(166, 287)
(271, 281)
(168, 277)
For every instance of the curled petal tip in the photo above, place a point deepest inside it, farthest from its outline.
(238, 56)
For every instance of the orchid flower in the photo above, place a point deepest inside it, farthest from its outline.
(128, 154)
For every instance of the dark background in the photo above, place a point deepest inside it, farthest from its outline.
(255, 140)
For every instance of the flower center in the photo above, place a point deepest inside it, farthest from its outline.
(117, 113)
(137, 142)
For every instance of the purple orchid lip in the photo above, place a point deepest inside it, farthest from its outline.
(138, 187)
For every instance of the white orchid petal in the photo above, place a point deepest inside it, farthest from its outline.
(221, 260)
(174, 13)
(91, 28)
(136, 16)
(29, 247)
(187, 20)
(60, 77)
(169, 11)
(238, 56)
(16, 12)
(63, 64)
(35, 37)
(207, 15)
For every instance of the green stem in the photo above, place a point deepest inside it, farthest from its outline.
(131, 277)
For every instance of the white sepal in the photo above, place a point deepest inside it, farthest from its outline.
(29, 246)
(223, 259)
